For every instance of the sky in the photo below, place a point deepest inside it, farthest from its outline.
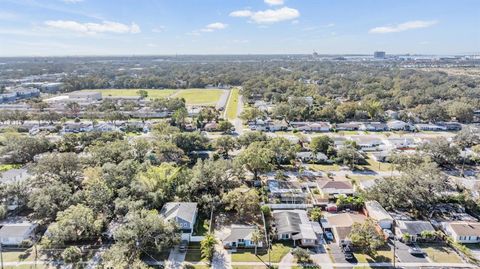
(165, 27)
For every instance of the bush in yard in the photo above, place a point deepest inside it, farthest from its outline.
(72, 254)
(3, 211)
(301, 255)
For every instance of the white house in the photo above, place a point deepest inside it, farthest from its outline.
(307, 156)
(15, 233)
(397, 125)
(373, 126)
(241, 236)
(430, 127)
(412, 228)
(184, 214)
(295, 225)
(379, 214)
(463, 231)
(368, 143)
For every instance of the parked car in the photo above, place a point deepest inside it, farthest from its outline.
(388, 233)
(416, 251)
(347, 252)
(183, 246)
(329, 236)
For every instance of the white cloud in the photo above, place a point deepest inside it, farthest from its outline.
(72, 1)
(214, 27)
(409, 25)
(94, 28)
(269, 15)
(274, 2)
(241, 13)
(159, 29)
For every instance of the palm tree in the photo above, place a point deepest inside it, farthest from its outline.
(207, 247)
(257, 237)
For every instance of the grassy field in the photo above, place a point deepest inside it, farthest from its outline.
(133, 92)
(232, 105)
(441, 253)
(192, 96)
(200, 96)
(278, 251)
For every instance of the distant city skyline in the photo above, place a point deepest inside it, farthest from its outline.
(167, 27)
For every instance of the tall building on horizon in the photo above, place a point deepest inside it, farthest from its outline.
(379, 55)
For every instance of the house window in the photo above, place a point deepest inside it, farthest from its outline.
(285, 236)
(241, 240)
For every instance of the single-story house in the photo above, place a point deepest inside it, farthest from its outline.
(317, 126)
(240, 236)
(341, 224)
(13, 234)
(397, 125)
(373, 127)
(430, 127)
(412, 228)
(463, 231)
(211, 126)
(451, 125)
(295, 225)
(348, 126)
(379, 214)
(182, 213)
(400, 143)
(368, 143)
(307, 156)
(335, 187)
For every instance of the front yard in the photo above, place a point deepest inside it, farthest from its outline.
(276, 254)
(193, 253)
(440, 253)
(382, 256)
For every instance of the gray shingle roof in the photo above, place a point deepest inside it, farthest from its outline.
(185, 211)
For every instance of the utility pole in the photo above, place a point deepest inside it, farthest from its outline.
(1, 254)
(394, 246)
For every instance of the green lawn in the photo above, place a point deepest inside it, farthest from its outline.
(232, 105)
(193, 253)
(19, 256)
(200, 96)
(324, 167)
(375, 166)
(440, 253)
(382, 256)
(6, 167)
(133, 92)
(278, 251)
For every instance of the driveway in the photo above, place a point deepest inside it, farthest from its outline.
(221, 259)
(337, 254)
(175, 259)
(404, 256)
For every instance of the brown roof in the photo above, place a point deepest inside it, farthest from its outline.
(339, 185)
(466, 228)
(345, 219)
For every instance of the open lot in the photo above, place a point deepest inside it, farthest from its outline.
(133, 92)
(192, 96)
(200, 96)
